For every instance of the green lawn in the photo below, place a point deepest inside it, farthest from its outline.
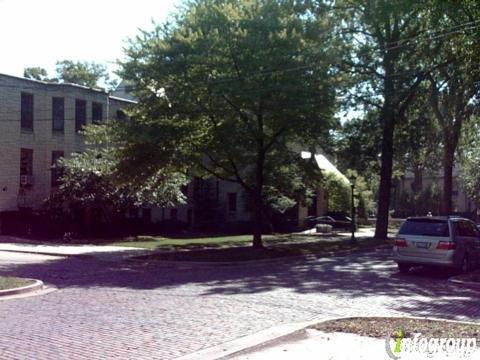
(170, 243)
(380, 327)
(272, 250)
(12, 282)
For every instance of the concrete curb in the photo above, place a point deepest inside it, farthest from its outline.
(268, 261)
(37, 285)
(269, 337)
(454, 280)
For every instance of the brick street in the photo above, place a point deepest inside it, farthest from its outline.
(135, 310)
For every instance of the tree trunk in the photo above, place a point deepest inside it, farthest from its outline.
(448, 159)
(258, 190)
(388, 121)
(381, 229)
(417, 191)
(417, 180)
(257, 221)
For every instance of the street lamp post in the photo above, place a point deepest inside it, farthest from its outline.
(352, 184)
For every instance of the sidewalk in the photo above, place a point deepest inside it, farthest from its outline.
(14, 244)
(313, 344)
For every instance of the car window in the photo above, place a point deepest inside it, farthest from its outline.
(425, 227)
(460, 229)
(465, 228)
(472, 229)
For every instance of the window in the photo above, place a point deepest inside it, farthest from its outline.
(58, 114)
(26, 117)
(26, 167)
(80, 114)
(147, 215)
(232, 202)
(26, 162)
(97, 113)
(463, 228)
(425, 227)
(56, 172)
(174, 214)
(121, 115)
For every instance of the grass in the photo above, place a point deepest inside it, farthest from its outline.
(380, 327)
(275, 248)
(170, 243)
(12, 282)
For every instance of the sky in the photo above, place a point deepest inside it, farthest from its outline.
(41, 32)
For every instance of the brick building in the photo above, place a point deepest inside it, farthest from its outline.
(40, 122)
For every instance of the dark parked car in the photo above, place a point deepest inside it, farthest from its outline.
(345, 224)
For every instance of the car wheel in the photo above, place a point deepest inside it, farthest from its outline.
(404, 268)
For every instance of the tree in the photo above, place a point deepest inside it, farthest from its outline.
(89, 180)
(359, 144)
(455, 87)
(75, 72)
(230, 89)
(417, 141)
(36, 73)
(381, 58)
(82, 73)
(469, 159)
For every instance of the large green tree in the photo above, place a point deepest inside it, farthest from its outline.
(232, 89)
(469, 159)
(454, 86)
(381, 58)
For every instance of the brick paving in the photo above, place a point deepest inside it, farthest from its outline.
(132, 310)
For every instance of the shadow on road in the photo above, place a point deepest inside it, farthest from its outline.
(369, 274)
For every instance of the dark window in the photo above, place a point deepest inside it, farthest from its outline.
(58, 114)
(121, 115)
(133, 212)
(26, 120)
(174, 214)
(473, 229)
(463, 228)
(80, 114)
(425, 227)
(26, 162)
(189, 216)
(97, 113)
(232, 202)
(56, 171)
(147, 215)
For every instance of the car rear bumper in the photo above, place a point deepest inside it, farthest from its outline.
(447, 261)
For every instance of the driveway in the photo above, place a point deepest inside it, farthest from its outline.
(135, 310)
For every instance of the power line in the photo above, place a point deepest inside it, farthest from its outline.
(392, 45)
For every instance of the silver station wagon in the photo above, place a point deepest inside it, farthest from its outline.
(451, 242)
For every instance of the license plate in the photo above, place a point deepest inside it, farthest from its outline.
(422, 245)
